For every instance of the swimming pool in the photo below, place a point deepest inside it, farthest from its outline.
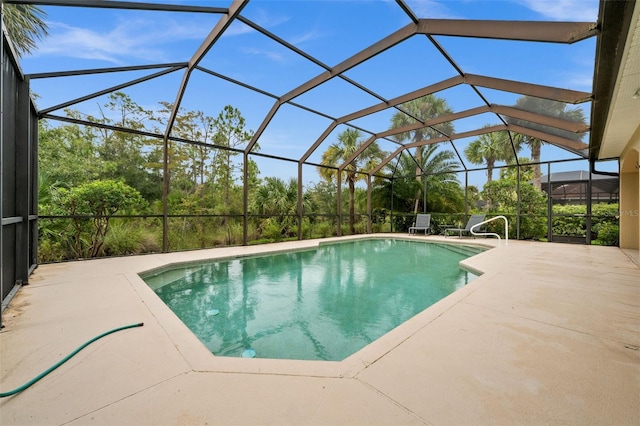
(320, 304)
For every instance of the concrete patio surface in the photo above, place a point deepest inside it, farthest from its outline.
(549, 334)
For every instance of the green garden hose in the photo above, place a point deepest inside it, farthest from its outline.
(65, 359)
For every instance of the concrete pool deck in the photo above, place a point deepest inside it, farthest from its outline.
(549, 334)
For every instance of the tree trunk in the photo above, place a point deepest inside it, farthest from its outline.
(416, 205)
(490, 164)
(535, 155)
(352, 207)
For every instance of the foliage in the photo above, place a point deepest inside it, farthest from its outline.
(67, 155)
(101, 200)
(549, 108)
(25, 25)
(95, 173)
(401, 223)
(570, 220)
(130, 237)
(279, 201)
(490, 148)
(608, 234)
(424, 109)
(338, 153)
(502, 199)
(203, 177)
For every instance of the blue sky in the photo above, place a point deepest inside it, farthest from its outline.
(332, 31)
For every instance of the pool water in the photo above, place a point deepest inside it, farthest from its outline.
(321, 304)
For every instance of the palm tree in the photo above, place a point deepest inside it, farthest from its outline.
(489, 148)
(424, 108)
(279, 199)
(545, 107)
(439, 169)
(348, 142)
(25, 24)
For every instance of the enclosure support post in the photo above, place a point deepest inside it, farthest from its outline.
(165, 194)
(23, 184)
(518, 205)
(2, 106)
(245, 198)
(391, 216)
(424, 194)
(369, 204)
(300, 201)
(339, 198)
(466, 193)
(588, 199)
(549, 206)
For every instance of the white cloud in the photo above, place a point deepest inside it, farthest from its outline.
(564, 10)
(237, 28)
(583, 81)
(308, 36)
(275, 56)
(133, 39)
(431, 9)
(267, 19)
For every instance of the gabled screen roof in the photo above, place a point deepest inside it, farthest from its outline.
(300, 70)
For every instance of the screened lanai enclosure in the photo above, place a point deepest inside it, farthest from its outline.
(137, 127)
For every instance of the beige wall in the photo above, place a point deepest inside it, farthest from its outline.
(630, 194)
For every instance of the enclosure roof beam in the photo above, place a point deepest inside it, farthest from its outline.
(108, 90)
(445, 118)
(309, 58)
(100, 125)
(436, 140)
(547, 92)
(224, 22)
(571, 145)
(576, 147)
(435, 121)
(445, 84)
(139, 132)
(570, 126)
(536, 90)
(365, 54)
(428, 90)
(234, 81)
(175, 65)
(107, 4)
(558, 123)
(357, 152)
(317, 143)
(552, 32)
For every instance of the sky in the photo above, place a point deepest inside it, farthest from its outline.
(331, 31)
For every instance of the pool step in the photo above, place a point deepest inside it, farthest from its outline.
(464, 250)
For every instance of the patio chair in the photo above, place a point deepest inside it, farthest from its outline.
(473, 220)
(422, 223)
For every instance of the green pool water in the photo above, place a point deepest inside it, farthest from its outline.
(322, 304)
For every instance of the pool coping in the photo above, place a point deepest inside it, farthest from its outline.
(200, 358)
(550, 335)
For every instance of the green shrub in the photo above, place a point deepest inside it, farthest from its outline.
(271, 230)
(122, 240)
(401, 223)
(51, 251)
(306, 229)
(130, 238)
(322, 230)
(608, 234)
(571, 220)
